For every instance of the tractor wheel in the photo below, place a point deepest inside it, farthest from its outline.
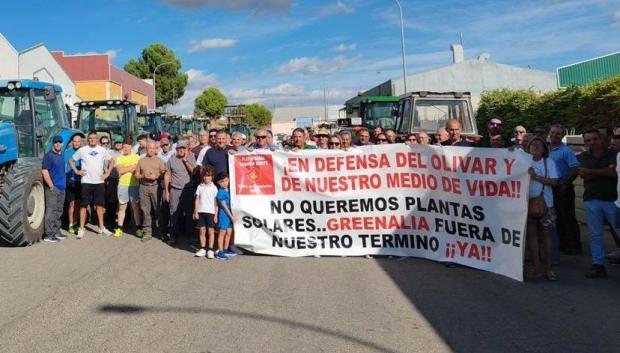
(22, 204)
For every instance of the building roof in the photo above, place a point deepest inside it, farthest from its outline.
(584, 72)
(88, 67)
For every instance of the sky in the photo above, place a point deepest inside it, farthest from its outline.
(293, 52)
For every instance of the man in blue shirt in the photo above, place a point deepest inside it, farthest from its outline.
(567, 165)
(217, 156)
(53, 171)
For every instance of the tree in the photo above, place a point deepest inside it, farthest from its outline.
(210, 103)
(257, 115)
(170, 82)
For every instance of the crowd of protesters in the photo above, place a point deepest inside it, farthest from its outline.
(182, 188)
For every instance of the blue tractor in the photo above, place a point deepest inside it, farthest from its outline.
(31, 114)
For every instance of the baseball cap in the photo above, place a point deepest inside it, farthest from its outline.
(165, 135)
(164, 141)
(57, 138)
(118, 139)
(322, 131)
(182, 144)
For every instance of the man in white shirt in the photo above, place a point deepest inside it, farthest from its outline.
(92, 158)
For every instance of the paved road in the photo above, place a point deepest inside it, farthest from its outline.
(101, 294)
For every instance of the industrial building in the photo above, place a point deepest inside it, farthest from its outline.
(588, 71)
(97, 79)
(82, 77)
(35, 63)
(473, 75)
(285, 119)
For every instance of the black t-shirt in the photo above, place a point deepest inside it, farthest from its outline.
(599, 188)
(486, 142)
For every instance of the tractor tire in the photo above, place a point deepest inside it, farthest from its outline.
(22, 204)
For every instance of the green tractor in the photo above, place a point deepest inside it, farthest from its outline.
(118, 117)
(371, 112)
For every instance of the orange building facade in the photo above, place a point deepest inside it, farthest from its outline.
(96, 79)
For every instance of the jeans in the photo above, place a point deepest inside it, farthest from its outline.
(597, 212)
(618, 218)
(54, 205)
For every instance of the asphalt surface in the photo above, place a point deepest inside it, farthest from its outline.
(101, 294)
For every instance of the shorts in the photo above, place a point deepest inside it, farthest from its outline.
(92, 194)
(111, 191)
(128, 194)
(224, 221)
(206, 220)
(74, 190)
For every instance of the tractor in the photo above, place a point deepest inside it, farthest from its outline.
(428, 111)
(118, 117)
(31, 114)
(370, 112)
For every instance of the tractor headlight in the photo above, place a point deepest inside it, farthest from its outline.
(18, 85)
(10, 86)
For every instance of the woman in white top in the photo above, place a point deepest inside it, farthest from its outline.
(543, 177)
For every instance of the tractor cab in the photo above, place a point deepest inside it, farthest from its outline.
(370, 112)
(245, 129)
(428, 111)
(31, 113)
(151, 122)
(109, 117)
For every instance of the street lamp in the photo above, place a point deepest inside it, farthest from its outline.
(402, 45)
(154, 72)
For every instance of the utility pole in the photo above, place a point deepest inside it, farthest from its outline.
(402, 45)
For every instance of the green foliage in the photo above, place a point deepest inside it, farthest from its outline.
(579, 107)
(170, 81)
(210, 103)
(257, 115)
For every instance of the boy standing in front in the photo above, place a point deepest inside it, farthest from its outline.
(205, 211)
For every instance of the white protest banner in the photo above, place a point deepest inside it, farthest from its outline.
(455, 204)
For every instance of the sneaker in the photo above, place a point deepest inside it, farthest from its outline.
(201, 253)
(597, 271)
(118, 233)
(51, 240)
(229, 253)
(80, 233)
(60, 236)
(210, 254)
(139, 232)
(221, 256)
(72, 229)
(104, 231)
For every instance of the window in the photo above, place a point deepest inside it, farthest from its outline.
(431, 114)
(15, 109)
(405, 117)
(51, 117)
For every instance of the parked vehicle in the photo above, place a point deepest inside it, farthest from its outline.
(428, 111)
(117, 117)
(372, 111)
(31, 114)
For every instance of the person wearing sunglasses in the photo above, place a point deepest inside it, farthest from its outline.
(261, 137)
(334, 142)
(53, 171)
(381, 139)
(494, 128)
